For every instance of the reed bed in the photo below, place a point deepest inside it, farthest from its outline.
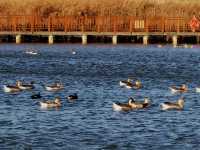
(144, 8)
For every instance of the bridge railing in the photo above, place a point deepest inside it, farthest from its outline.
(93, 24)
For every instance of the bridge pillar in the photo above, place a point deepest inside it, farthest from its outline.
(84, 39)
(51, 39)
(114, 39)
(18, 39)
(174, 40)
(145, 40)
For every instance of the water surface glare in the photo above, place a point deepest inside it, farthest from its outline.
(94, 73)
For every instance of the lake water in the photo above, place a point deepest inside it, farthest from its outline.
(94, 73)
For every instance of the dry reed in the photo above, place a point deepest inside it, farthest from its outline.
(185, 8)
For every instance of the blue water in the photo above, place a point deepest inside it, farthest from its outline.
(94, 73)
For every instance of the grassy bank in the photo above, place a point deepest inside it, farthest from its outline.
(184, 8)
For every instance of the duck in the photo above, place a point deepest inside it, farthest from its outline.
(54, 87)
(31, 52)
(136, 85)
(36, 96)
(173, 106)
(51, 104)
(72, 97)
(140, 105)
(25, 86)
(117, 106)
(181, 89)
(11, 88)
(124, 82)
(129, 84)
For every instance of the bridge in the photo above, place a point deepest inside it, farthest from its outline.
(85, 26)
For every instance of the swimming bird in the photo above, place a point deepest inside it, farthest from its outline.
(170, 105)
(129, 84)
(25, 86)
(125, 82)
(11, 88)
(123, 106)
(50, 104)
(31, 52)
(136, 85)
(54, 87)
(72, 97)
(36, 96)
(181, 89)
(140, 105)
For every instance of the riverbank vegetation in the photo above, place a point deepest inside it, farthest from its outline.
(172, 8)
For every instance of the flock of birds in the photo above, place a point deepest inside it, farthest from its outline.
(132, 104)
(19, 86)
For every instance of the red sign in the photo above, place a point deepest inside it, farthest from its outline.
(194, 23)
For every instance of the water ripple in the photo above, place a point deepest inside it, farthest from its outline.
(94, 73)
